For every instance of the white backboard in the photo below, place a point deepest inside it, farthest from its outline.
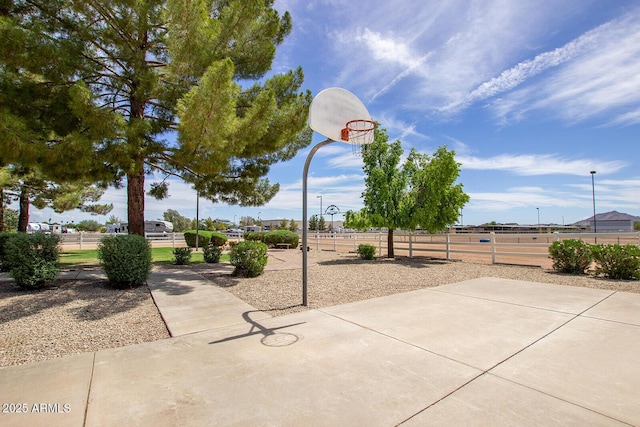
(332, 108)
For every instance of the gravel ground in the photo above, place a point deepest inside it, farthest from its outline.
(71, 317)
(76, 316)
(342, 278)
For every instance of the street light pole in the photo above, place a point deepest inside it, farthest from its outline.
(538, 209)
(593, 197)
(320, 197)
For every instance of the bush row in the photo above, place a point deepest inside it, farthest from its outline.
(205, 238)
(211, 253)
(32, 259)
(272, 238)
(612, 261)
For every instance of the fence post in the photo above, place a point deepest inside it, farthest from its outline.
(448, 244)
(410, 245)
(81, 234)
(379, 244)
(173, 240)
(334, 243)
(493, 247)
(317, 241)
(355, 242)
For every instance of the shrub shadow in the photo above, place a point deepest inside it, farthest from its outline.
(89, 299)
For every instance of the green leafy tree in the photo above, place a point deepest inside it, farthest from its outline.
(134, 71)
(88, 225)
(247, 221)
(180, 223)
(419, 193)
(283, 224)
(293, 226)
(114, 220)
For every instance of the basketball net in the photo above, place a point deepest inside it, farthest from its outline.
(358, 133)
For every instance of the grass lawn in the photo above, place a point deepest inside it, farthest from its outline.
(161, 255)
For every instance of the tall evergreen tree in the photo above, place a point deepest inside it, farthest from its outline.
(144, 69)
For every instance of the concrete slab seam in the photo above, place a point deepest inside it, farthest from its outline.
(483, 372)
(557, 398)
(487, 371)
(86, 407)
(516, 304)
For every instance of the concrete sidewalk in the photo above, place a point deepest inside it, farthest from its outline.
(481, 352)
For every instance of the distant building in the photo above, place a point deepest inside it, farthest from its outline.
(610, 221)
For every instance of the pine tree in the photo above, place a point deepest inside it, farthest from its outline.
(147, 70)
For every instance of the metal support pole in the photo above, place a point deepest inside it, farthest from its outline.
(304, 217)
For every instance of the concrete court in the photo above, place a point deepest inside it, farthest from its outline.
(480, 352)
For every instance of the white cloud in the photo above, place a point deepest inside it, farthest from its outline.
(536, 164)
(601, 77)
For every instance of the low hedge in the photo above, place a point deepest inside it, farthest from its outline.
(611, 261)
(32, 258)
(617, 261)
(205, 238)
(126, 259)
(367, 251)
(571, 256)
(212, 254)
(272, 238)
(4, 238)
(181, 256)
(248, 258)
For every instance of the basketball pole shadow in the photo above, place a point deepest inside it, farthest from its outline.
(270, 337)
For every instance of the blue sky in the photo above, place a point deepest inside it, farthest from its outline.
(532, 95)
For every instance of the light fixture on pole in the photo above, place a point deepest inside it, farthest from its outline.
(593, 197)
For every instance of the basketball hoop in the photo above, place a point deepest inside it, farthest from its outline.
(358, 133)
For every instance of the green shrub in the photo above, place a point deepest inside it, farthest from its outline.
(4, 264)
(212, 254)
(204, 238)
(367, 251)
(617, 261)
(272, 238)
(181, 256)
(126, 259)
(248, 258)
(32, 258)
(254, 236)
(571, 256)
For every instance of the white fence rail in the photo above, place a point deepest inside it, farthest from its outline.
(525, 249)
(84, 240)
(494, 248)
